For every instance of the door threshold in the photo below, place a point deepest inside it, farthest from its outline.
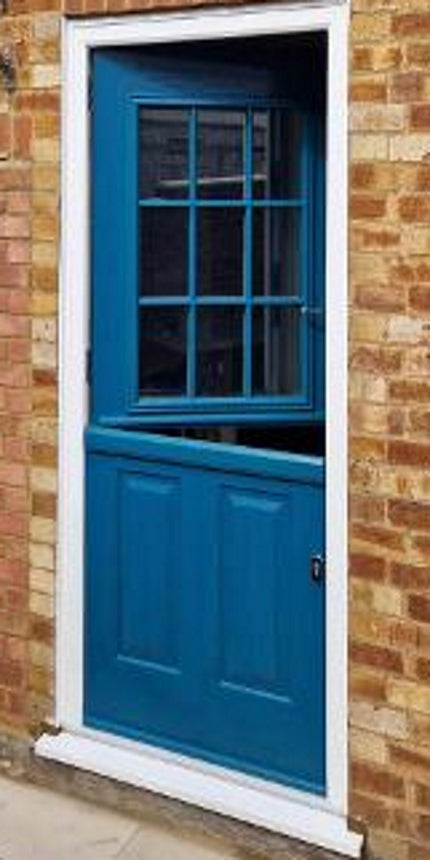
(210, 787)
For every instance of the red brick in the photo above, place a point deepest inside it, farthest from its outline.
(375, 780)
(419, 298)
(410, 577)
(414, 515)
(409, 454)
(5, 135)
(420, 117)
(411, 24)
(375, 656)
(419, 607)
(407, 86)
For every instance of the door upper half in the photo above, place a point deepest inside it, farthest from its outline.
(208, 236)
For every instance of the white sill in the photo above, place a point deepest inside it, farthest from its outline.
(207, 786)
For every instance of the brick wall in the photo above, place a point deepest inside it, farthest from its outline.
(389, 424)
(389, 397)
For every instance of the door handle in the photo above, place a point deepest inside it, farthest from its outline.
(317, 568)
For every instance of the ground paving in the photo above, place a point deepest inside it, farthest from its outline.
(39, 824)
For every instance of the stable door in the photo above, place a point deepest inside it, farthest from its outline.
(204, 597)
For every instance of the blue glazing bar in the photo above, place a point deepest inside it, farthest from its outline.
(232, 101)
(247, 260)
(206, 203)
(220, 301)
(304, 261)
(192, 255)
(164, 301)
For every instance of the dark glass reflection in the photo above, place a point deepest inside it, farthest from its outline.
(163, 251)
(219, 351)
(276, 351)
(277, 145)
(276, 251)
(220, 153)
(163, 134)
(220, 251)
(162, 366)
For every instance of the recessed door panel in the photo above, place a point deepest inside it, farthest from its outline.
(150, 569)
(250, 571)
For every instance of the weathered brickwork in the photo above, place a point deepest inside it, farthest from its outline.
(389, 121)
(389, 425)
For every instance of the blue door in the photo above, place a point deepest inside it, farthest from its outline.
(204, 600)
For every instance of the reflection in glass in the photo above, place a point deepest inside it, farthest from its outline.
(219, 351)
(163, 134)
(220, 153)
(277, 139)
(163, 251)
(220, 251)
(276, 251)
(276, 351)
(162, 359)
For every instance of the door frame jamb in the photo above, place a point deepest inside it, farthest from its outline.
(320, 820)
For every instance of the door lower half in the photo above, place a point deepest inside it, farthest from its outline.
(205, 513)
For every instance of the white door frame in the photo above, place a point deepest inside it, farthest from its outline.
(319, 820)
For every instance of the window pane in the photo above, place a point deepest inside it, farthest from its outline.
(163, 152)
(276, 351)
(220, 251)
(276, 251)
(163, 251)
(162, 369)
(277, 143)
(220, 142)
(219, 351)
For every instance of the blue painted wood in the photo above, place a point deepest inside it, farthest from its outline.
(119, 84)
(204, 632)
(229, 458)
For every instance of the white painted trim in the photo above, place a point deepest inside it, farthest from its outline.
(215, 790)
(79, 37)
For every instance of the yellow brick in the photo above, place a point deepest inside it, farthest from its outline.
(368, 746)
(44, 479)
(379, 719)
(377, 118)
(42, 580)
(44, 356)
(46, 76)
(409, 147)
(381, 598)
(370, 27)
(42, 604)
(44, 430)
(42, 556)
(403, 329)
(41, 655)
(385, 846)
(367, 387)
(368, 147)
(46, 151)
(44, 254)
(44, 329)
(415, 240)
(42, 530)
(46, 178)
(43, 303)
(387, 599)
(369, 327)
(408, 695)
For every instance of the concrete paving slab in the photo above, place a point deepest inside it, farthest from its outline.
(153, 844)
(37, 824)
